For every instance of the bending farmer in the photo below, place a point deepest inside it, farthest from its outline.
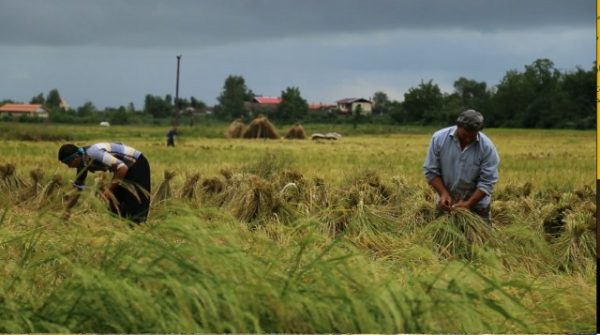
(129, 191)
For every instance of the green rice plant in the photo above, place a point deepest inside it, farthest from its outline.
(458, 233)
(522, 248)
(268, 165)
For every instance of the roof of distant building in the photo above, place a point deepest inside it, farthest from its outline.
(21, 108)
(268, 100)
(351, 100)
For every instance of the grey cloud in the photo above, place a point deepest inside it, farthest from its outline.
(187, 23)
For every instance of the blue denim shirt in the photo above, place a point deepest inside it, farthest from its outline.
(462, 171)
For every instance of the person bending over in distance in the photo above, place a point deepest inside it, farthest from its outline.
(131, 172)
(462, 166)
(171, 137)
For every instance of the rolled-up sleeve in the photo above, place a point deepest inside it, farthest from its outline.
(489, 171)
(431, 166)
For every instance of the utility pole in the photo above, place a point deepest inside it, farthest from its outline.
(177, 109)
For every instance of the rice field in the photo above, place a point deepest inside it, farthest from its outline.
(296, 236)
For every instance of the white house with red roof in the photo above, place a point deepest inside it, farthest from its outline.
(18, 110)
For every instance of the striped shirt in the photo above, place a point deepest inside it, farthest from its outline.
(462, 171)
(105, 157)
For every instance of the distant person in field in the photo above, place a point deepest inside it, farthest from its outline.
(129, 191)
(171, 137)
(462, 166)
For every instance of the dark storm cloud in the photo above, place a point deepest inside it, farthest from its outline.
(154, 23)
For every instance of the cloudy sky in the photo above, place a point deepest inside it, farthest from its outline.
(113, 52)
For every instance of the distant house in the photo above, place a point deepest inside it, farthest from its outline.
(320, 106)
(17, 110)
(349, 105)
(262, 104)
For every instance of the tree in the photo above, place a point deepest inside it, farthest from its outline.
(232, 98)
(578, 98)
(158, 107)
(423, 104)
(292, 107)
(87, 109)
(381, 103)
(38, 99)
(356, 116)
(53, 100)
(529, 99)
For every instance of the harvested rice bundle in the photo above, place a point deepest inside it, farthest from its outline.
(296, 132)
(50, 190)
(189, 187)
(164, 189)
(260, 128)
(8, 178)
(36, 186)
(514, 191)
(576, 245)
(458, 234)
(212, 186)
(236, 129)
(255, 198)
(226, 173)
(292, 188)
(318, 195)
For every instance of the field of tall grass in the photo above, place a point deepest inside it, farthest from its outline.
(288, 236)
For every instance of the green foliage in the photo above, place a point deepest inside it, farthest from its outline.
(232, 98)
(381, 103)
(53, 99)
(292, 107)
(423, 103)
(158, 107)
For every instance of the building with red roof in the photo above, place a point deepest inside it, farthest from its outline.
(18, 110)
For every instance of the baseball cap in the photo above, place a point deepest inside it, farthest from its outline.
(470, 119)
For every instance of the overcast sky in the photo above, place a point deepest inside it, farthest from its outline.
(113, 52)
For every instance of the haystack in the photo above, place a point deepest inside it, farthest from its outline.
(236, 129)
(260, 128)
(296, 132)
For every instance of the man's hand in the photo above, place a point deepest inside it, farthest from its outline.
(107, 195)
(462, 204)
(445, 201)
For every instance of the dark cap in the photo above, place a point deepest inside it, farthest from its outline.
(470, 119)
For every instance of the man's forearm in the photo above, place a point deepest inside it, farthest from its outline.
(438, 185)
(475, 197)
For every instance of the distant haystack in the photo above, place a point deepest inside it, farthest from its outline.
(296, 132)
(236, 129)
(260, 128)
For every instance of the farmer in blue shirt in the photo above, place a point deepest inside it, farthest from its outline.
(462, 166)
(129, 192)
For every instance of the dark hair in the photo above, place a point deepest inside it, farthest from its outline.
(67, 150)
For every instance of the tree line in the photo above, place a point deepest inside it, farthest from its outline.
(539, 96)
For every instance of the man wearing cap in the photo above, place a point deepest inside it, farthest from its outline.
(129, 191)
(462, 165)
